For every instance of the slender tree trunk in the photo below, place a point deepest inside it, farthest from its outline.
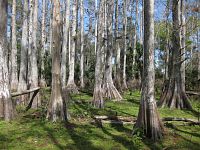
(98, 92)
(65, 42)
(182, 40)
(14, 77)
(42, 79)
(167, 47)
(24, 52)
(109, 89)
(57, 106)
(135, 36)
(174, 95)
(33, 68)
(124, 85)
(6, 106)
(96, 24)
(82, 45)
(148, 117)
(71, 86)
(118, 49)
(50, 28)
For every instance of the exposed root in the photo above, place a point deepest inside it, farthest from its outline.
(174, 97)
(98, 101)
(72, 88)
(111, 92)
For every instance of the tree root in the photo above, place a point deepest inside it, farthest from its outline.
(111, 92)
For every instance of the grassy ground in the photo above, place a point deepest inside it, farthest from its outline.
(30, 130)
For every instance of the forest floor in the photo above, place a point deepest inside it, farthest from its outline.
(31, 131)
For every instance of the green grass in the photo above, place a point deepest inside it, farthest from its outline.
(31, 131)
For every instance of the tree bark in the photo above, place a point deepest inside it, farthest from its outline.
(174, 95)
(118, 49)
(43, 40)
(82, 45)
(148, 117)
(22, 85)
(135, 36)
(33, 68)
(98, 101)
(182, 40)
(71, 86)
(14, 76)
(57, 107)
(124, 85)
(108, 88)
(6, 106)
(65, 42)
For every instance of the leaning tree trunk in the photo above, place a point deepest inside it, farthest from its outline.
(14, 77)
(33, 68)
(148, 118)
(57, 107)
(117, 48)
(22, 85)
(174, 95)
(82, 45)
(98, 101)
(108, 88)
(42, 79)
(6, 106)
(71, 86)
(124, 85)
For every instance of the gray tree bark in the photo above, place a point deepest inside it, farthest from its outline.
(22, 85)
(135, 35)
(57, 107)
(108, 88)
(33, 68)
(65, 42)
(118, 49)
(148, 118)
(14, 76)
(71, 86)
(98, 101)
(82, 45)
(124, 85)
(174, 95)
(6, 105)
(42, 79)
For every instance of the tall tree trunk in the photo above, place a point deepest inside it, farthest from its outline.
(82, 45)
(98, 93)
(6, 106)
(50, 28)
(182, 40)
(42, 79)
(174, 95)
(118, 49)
(14, 77)
(167, 47)
(148, 118)
(96, 25)
(33, 68)
(135, 36)
(24, 52)
(109, 89)
(124, 85)
(57, 107)
(65, 42)
(71, 86)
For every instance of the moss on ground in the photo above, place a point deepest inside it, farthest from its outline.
(30, 130)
